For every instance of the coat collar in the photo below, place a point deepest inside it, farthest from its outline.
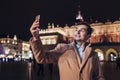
(87, 52)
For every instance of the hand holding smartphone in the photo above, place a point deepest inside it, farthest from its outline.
(37, 17)
(37, 20)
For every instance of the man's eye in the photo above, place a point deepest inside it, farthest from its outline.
(83, 30)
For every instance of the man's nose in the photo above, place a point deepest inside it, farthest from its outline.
(78, 32)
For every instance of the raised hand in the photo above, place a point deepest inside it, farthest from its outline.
(34, 29)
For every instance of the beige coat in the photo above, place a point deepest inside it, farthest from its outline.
(70, 66)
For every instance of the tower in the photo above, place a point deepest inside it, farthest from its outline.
(79, 17)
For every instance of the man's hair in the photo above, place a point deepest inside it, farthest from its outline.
(89, 29)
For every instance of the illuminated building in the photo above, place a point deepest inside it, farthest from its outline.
(14, 47)
(105, 38)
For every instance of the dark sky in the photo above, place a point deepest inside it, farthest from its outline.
(16, 16)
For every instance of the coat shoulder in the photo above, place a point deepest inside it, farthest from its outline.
(65, 46)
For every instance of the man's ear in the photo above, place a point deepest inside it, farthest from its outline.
(88, 36)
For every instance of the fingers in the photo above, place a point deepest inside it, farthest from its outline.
(34, 28)
(35, 32)
(34, 25)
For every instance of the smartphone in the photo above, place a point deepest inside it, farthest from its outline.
(38, 17)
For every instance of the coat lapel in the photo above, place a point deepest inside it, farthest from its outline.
(77, 55)
(87, 52)
(86, 56)
(78, 58)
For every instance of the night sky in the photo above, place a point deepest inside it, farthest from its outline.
(16, 16)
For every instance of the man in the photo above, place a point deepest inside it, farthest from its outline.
(76, 61)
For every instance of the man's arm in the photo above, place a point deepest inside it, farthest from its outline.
(41, 56)
(37, 49)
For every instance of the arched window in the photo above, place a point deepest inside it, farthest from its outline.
(112, 57)
(100, 54)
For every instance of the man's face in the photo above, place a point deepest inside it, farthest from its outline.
(81, 33)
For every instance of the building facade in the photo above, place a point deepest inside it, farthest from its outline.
(105, 38)
(13, 47)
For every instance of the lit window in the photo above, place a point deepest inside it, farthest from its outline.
(100, 55)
